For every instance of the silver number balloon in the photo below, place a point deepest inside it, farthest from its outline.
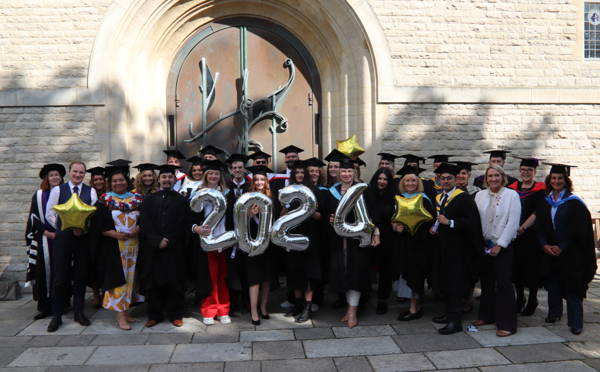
(211, 242)
(362, 227)
(308, 205)
(259, 244)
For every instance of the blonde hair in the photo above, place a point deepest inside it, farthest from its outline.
(402, 188)
(139, 186)
(222, 184)
(498, 169)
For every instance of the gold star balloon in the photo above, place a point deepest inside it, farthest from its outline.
(411, 212)
(350, 147)
(74, 213)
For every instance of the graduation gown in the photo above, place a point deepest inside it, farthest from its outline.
(527, 250)
(349, 263)
(39, 250)
(236, 265)
(412, 254)
(164, 213)
(109, 269)
(457, 253)
(264, 267)
(572, 232)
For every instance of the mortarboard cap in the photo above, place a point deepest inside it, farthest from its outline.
(314, 162)
(145, 166)
(52, 167)
(260, 169)
(195, 160)
(387, 156)
(213, 165)
(109, 171)
(529, 162)
(291, 148)
(464, 165)
(336, 155)
(410, 158)
(561, 168)
(499, 153)
(211, 150)
(119, 163)
(174, 153)
(96, 171)
(447, 168)
(298, 164)
(237, 157)
(360, 162)
(347, 163)
(259, 155)
(409, 169)
(442, 158)
(166, 168)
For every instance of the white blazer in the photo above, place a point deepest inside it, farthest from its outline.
(507, 219)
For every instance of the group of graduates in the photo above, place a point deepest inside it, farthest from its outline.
(143, 242)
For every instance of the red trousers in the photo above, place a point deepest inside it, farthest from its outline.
(217, 303)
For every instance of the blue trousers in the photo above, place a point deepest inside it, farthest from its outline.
(555, 304)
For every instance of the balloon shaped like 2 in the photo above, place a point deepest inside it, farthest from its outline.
(308, 206)
(362, 227)
(259, 244)
(211, 242)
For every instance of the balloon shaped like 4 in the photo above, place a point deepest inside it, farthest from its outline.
(411, 212)
(259, 244)
(211, 242)
(362, 227)
(308, 205)
(74, 213)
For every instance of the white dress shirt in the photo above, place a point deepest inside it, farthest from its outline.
(500, 226)
(53, 200)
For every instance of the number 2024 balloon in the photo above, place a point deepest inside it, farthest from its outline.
(246, 243)
(362, 227)
(308, 206)
(198, 203)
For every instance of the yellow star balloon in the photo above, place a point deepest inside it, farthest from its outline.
(350, 147)
(411, 212)
(74, 213)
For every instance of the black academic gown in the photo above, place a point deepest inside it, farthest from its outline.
(349, 263)
(304, 267)
(572, 232)
(108, 263)
(412, 254)
(527, 250)
(236, 265)
(455, 257)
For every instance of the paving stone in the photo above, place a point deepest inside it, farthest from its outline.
(214, 334)
(352, 364)
(247, 366)
(135, 354)
(111, 368)
(24, 369)
(400, 362)
(277, 350)
(299, 365)
(466, 358)
(364, 331)
(75, 340)
(350, 347)
(8, 354)
(524, 336)
(201, 367)
(313, 333)
(22, 314)
(273, 335)
(591, 332)
(169, 339)
(7, 341)
(456, 370)
(223, 352)
(538, 353)
(590, 349)
(427, 342)
(594, 363)
(12, 327)
(53, 356)
(412, 327)
(569, 366)
(190, 325)
(112, 340)
(109, 327)
(279, 321)
(39, 328)
(41, 341)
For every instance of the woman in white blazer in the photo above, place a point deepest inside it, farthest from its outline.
(500, 212)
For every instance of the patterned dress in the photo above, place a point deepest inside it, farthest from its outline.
(124, 212)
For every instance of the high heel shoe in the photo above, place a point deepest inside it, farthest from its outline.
(408, 316)
(255, 322)
(264, 316)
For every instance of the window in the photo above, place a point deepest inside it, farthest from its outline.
(591, 19)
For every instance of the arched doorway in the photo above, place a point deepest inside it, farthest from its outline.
(243, 84)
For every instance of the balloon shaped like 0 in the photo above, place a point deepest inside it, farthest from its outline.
(211, 242)
(308, 206)
(258, 245)
(362, 227)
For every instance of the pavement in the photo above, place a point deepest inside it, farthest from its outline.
(379, 343)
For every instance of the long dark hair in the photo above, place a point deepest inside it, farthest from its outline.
(568, 183)
(305, 181)
(388, 192)
(124, 173)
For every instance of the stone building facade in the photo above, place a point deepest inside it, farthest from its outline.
(86, 80)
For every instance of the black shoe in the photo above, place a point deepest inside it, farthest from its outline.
(530, 308)
(441, 319)
(553, 319)
(264, 316)
(382, 308)
(306, 313)
(296, 310)
(41, 315)
(339, 303)
(408, 316)
(450, 328)
(81, 319)
(576, 331)
(54, 324)
(255, 322)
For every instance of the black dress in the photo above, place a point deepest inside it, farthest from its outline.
(527, 250)
(304, 267)
(349, 263)
(261, 268)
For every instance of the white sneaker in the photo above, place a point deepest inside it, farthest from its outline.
(314, 308)
(286, 305)
(208, 321)
(225, 319)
